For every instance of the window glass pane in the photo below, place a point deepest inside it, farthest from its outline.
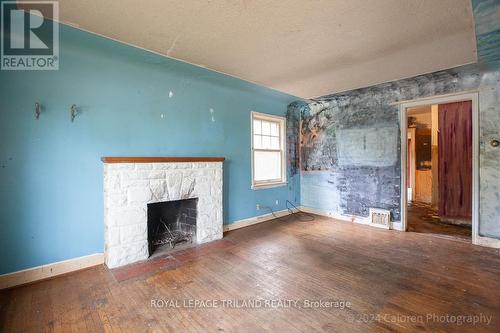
(274, 129)
(257, 127)
(257, 142)
(266, 128)
(267, 165)
(275, 142)
(266, 142)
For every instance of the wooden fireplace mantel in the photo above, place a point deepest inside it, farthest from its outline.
(112, 159)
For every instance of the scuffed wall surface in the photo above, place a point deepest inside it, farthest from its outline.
(293, 116)
(489, 195)
(487, 19)
(348, 159)
(350, 146)
(350, 142)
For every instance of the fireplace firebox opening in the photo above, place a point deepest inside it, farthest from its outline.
(171, 222)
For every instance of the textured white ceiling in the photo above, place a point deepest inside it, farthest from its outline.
(306, 48)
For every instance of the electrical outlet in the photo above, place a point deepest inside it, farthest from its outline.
(277, 202)
(257, 206)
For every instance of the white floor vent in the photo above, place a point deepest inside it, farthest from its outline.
(380, 218)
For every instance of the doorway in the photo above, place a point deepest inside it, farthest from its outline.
(439, 166)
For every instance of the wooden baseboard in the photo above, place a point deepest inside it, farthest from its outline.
(347, 218)
(396, 225)
(486, 241)
(254, 220)
(50, 270)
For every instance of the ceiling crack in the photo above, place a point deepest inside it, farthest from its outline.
(172, 46)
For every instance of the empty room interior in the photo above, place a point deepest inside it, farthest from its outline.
(250, 166)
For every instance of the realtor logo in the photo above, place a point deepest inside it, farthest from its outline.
(30, 35)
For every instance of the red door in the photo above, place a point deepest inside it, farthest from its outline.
(455, 159)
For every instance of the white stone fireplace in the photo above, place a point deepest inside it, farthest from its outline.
(131, 183)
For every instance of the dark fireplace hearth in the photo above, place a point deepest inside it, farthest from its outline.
(171, 222)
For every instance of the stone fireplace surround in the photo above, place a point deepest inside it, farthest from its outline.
(130, 183)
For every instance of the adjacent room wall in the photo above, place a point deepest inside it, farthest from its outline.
(132, 103)
(435, 156)
(423, 156)
(350, 141)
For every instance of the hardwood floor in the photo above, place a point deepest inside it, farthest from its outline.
(392, 280)
(422, 218)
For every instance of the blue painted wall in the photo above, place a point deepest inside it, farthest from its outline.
(51, 200)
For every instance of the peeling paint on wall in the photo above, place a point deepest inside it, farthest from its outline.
(293, 117)
(487, 19)
(349, 142)
(349, 146)
(376, 146)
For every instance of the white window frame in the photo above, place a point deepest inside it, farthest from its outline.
(282, 124)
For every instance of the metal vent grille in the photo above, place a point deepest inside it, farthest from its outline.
(380, 217)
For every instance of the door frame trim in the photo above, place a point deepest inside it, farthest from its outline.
(442, 99)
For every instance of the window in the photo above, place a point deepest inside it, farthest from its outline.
(268, 150)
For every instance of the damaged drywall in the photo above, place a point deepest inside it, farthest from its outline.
(372, 146)
(349, 144)
(350, 150)
(487, 19)
(293, 116)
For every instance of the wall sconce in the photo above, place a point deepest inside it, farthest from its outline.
(38, 110)
(73, 112)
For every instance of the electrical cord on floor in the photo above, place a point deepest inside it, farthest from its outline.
(294, 212)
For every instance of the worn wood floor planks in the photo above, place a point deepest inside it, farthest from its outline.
(393, 281)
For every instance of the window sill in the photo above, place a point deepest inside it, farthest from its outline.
(270, 185)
